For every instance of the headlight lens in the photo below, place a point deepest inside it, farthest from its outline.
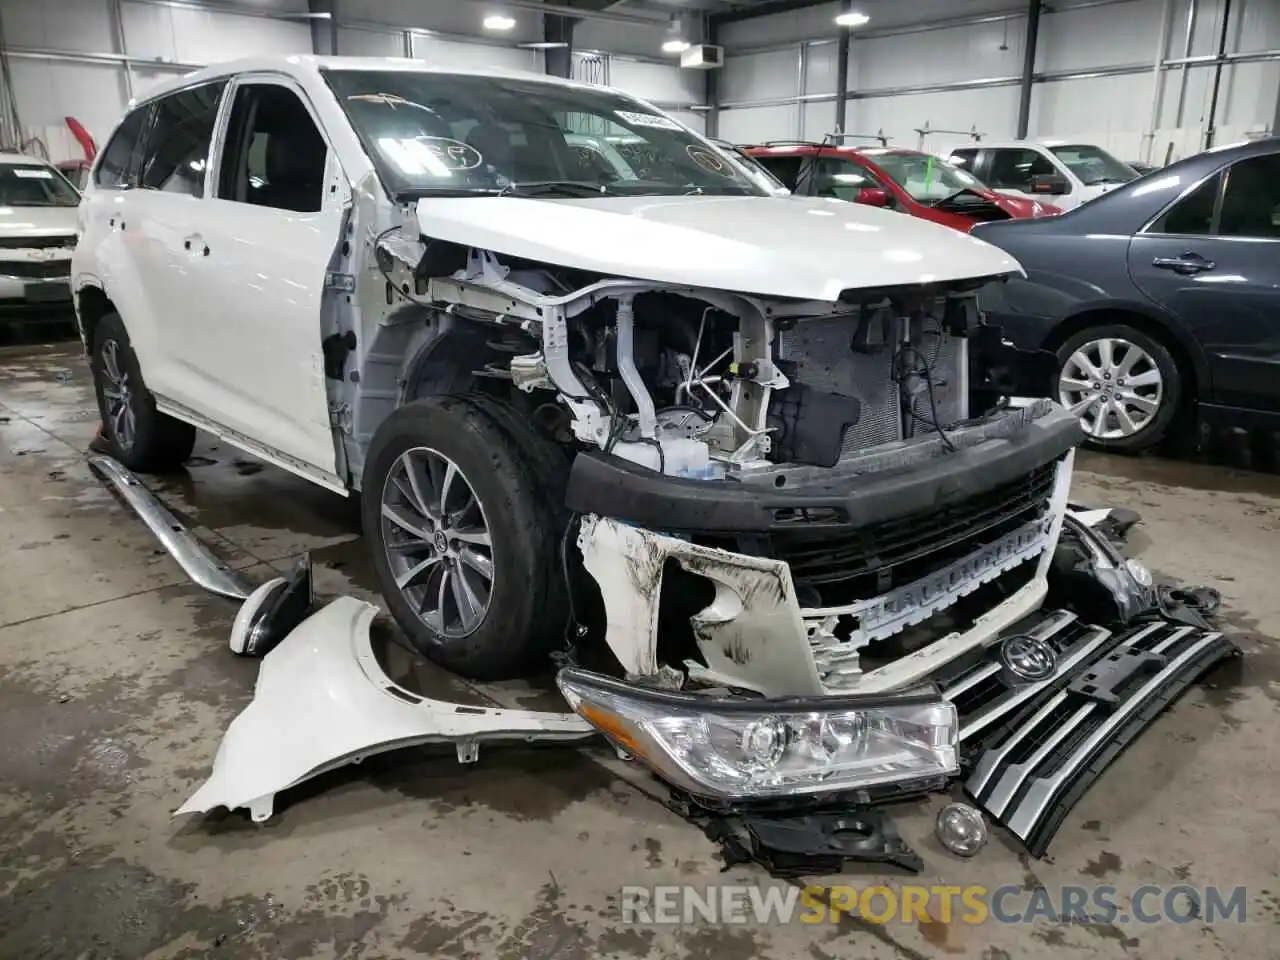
(744, 749)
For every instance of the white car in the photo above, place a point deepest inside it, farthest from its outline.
(1068, 173)
(37, 233)
(729, 433)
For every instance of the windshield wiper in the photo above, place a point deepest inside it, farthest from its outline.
(951, 196)
(420, 193)
(554, 188)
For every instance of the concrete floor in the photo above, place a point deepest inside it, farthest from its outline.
(116, 685)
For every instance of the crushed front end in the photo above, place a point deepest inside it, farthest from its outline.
(804, 520)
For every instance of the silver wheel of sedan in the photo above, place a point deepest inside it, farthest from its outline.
(1114, 386)
(437, 542)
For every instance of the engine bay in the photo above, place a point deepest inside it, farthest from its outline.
(705, 384)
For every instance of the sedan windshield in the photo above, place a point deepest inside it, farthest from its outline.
(926, 178)
(1093, 164)
(35, 185)
(454, 134)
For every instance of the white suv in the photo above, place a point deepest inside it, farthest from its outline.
(736, 435)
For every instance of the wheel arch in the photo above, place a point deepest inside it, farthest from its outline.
(1186, 353)
(92, 304)
(406, 362)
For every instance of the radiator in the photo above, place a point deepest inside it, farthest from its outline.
(824, 360)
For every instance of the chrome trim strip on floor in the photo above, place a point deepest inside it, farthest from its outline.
(1041, 793)
(1173, 638)
(1014, 776)
(971, 680)
(993, 759)
(194, 557)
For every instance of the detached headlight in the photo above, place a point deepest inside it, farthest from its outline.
(744, 749)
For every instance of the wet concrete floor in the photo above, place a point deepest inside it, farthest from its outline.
(116, 685)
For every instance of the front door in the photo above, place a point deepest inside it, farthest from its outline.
(1011, 169)
(264, 245)
(1213, 259)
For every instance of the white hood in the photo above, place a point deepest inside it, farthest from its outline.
(37, 221)
(809, 249)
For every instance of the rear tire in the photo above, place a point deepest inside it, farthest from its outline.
(1124, 383)
(134, 431)
(471, 576)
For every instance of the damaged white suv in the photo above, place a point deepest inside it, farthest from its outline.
(587, 375)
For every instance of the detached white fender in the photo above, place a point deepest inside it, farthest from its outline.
(322, 701)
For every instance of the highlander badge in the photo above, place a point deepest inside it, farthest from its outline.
(1028, 658)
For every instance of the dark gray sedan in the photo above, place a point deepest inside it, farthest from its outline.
(1163, 292)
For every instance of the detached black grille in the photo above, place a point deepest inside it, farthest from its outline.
(35, 269)
(874, 559)
(1032, 748)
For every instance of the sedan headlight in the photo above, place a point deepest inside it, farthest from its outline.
(744, 749)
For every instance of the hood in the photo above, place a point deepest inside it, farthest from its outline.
(802, 248)
(37, 221)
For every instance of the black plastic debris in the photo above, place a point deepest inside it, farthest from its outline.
(1090, 576)
(812, 843)
(821, 843)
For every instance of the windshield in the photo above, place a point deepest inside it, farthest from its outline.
(1093, 164)
(754, 168)
(35, 185)
(925, 177)
(440, 133)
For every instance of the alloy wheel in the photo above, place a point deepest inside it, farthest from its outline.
(437, 542)
(118, 393)
(1113, 386)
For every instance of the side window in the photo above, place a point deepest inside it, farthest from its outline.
(116, 168)
(1251, 201)
(786, 169)
(841, 178)
(273, 156)
(1193, 214)
(177, 149)
(1013, 169)
(964, 159)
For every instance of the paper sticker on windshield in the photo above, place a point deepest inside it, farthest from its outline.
(647, 120)
(28, 174)
(454, 154)
(711, 161)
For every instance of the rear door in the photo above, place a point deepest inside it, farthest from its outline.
(168, 207)
(1213, 259)
(274, 222)
(102, 254)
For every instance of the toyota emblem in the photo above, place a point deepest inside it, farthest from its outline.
(1028, 658)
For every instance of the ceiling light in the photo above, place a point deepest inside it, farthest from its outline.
(498, 21)
(675, 46)
(851, 19)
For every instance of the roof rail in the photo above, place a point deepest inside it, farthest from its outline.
(835, 138)
(924, 131)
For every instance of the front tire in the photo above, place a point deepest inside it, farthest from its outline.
(464, 537)
(1123, 384)
(136, 433)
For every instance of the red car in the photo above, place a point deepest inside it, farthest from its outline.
(919, 184)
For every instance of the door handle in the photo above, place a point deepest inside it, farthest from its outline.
(1188, 263)
(195, 243)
